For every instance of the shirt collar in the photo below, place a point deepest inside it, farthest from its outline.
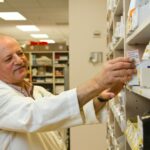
(26, 89)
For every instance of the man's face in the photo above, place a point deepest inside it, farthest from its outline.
(13, 63)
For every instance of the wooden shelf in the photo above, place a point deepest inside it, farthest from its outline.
(42, 82)
(59, 66)
(59, 82)
(59, 76)
(44, 76)
(46, 65)
(140, 36)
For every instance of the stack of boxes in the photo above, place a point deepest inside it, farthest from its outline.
(138, 13)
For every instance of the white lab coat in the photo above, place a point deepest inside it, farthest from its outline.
(27, 124)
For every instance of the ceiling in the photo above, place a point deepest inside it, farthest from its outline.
(50, 16)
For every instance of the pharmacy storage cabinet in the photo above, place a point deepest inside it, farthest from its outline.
(48, 68)
(128, 34)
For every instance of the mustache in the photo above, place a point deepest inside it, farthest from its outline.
(19, 66)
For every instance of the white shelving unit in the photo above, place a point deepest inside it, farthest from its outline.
(133, 100)
(144, 92)
(140, 35)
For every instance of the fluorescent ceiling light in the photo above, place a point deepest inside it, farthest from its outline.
(48, 41)
(27, 28)
(39, 35)
(11, 16)
(1, 1)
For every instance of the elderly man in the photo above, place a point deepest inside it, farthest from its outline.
(28, 113)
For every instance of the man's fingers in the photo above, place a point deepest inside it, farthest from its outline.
(121, 59)
(122, 65)
(120, 69)
(122, 75)
(122, 79)
(124, 72)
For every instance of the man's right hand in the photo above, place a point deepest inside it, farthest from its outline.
(116, 71)
(113, 75)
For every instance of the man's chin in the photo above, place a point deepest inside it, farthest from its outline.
(21, 76)
(18, 80)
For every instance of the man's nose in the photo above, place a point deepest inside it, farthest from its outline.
(17, 59)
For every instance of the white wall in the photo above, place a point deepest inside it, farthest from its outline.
(85, 17)
(88, 137)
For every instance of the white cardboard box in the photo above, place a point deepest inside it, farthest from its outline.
(144, 73)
